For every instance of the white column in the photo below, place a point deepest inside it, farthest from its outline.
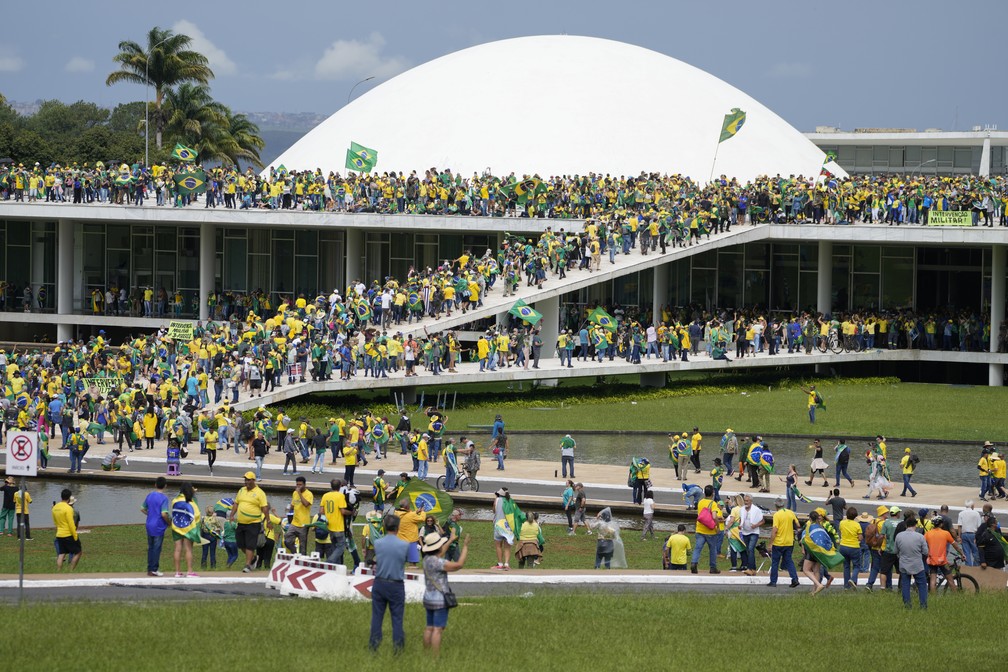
(995, 376)
(660, 291)
(549, 325)
(824, 293)
(985, 157)
(65, 274)
(207, 266)
(354, 255)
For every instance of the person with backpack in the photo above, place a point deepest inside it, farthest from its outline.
(874, 540)
(379, 491)
(710, 520)
(909, 463)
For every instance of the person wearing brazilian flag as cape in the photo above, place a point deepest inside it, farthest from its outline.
(821, 553)
(508, 519)
(185, 526)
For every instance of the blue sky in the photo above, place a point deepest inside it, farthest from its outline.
(854, 64)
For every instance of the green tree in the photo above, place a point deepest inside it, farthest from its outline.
(166, 62)
(246, 141)
(128, 118)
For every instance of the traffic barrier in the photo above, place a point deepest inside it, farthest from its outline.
(310, 576)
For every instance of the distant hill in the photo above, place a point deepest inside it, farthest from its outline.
(277, 142)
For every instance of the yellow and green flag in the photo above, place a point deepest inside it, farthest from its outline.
(600, 317)
(361, 158)
(191, 183)
(423, 496)
(525, 312)
(183, 153)
(733, 122)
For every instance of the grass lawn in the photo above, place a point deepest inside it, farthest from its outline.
(853, 408)
(122, 548)
(567, 631)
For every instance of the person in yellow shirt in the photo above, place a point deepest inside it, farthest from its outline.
(695, 440)
(67, 542)
(851, 536)
(249, 511)
(210, 441)
(409, 527)
(782, 536)
(677, 549)
(909, 463)
(301, 503)
(21, 513)
(333, 506)
(709, 536)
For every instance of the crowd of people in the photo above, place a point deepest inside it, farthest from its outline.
(893, 198)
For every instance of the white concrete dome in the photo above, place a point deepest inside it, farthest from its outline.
(557, 105)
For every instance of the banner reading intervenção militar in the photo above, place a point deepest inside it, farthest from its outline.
(950, 218)
(180, 331)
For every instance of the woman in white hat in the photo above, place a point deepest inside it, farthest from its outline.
(438, 597)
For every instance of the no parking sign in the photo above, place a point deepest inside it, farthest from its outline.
(22, 458)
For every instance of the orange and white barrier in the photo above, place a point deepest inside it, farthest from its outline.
(310, 576)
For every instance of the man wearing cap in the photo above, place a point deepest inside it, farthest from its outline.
(909, 463)
(889, 559)
(873, 540)
(567, 445)
(67, 541)
(985, 468)
(249, 510)
(782, 537)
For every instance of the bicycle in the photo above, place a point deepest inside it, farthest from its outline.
(467, 482)
(963, 582)
(852, 344)
(829, 342)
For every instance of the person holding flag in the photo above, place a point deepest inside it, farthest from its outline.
(185, 527)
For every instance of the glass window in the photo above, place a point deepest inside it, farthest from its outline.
(785, 280)
(729, 277)
(945, 155)
(880, 154)
(143, 252)
(306, 242)
(306, 278)
(840, 290)
(118, 236)
(808, 257)
(896, 158)
(258, 272)
(259, 241)
(283, 266)
(706, 259)
(900, 252)
(703, 288)
(912, 155)
(897, 282)
(166, 238)
(865, 291)
(19, 233)
(866, 258)
(757, 255)
(808, 290)
(235, 264)
(757, 288)
(863, 159)
(963, 157)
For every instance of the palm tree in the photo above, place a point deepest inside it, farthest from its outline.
(195, 119)
(165, 63)
(247, 143)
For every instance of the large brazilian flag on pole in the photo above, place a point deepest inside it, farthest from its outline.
(422, 496)
(732, 124)
(524, 312)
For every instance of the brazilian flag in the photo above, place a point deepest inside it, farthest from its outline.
(183, 153)
(191, 183)
(363, 311)
(413, 298)
(185, 518)
(361, 158)
(820, 544)
(527, 189)
(766, 461)
(799, 496)
(513, 518)
(423, 496)
(524, 312)
(732, 124)
(600, 317)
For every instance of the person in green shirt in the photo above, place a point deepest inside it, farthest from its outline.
(567, 445)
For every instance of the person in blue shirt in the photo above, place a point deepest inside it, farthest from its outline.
(155, 507)
(499, 441)
(388, 590)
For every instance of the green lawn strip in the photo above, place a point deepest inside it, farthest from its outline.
(123, 548)
(862, 408)
(575, 630)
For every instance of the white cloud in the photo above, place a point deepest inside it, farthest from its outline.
(789, 70)
(79, 64)
(347, 59)
(10, 63)
(219, 61)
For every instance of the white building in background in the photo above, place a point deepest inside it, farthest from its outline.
(866, 151)
(558, 105)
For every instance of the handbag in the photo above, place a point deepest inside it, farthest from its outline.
(261, 541)
(450, 601)
(706, 517)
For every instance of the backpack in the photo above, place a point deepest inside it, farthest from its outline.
(872, 537)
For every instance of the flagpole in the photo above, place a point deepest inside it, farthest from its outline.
(716, 148)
